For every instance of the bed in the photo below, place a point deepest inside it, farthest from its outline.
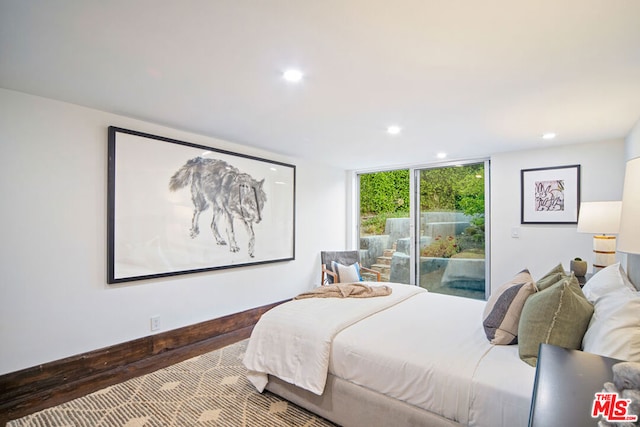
(412, 358)
(353, 361)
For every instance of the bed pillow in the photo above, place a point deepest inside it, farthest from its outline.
(609, 279)
(346, 273)
(556, 274)
(614, 330)
(558, 315)
(502, 312)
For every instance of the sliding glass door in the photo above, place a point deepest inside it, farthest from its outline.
(451, 241)
(427, 227)
(385, 222)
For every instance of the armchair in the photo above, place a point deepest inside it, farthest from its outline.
(345, 258)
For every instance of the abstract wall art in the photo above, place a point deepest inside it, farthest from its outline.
(550, 195)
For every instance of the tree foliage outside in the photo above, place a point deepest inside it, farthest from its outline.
(441, 189)
(450, 189)
(384, 192)
(442, 248)
(453, 189)
(457, 189)
(383, 195)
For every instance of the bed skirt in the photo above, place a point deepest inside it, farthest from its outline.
(351, 405)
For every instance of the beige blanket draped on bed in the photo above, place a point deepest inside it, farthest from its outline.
(347, 290)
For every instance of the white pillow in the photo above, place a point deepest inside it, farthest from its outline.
(605, 281)
(346, 273)
(614, 329)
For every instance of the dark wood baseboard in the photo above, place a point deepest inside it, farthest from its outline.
(40, 387)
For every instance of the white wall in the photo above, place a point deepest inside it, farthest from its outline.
(541, 247)
(632, 142)
(632, 150)
(54, 299)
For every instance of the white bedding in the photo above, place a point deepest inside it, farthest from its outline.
(428, 350)
(437, 356)
(293, 340)
(502, 388)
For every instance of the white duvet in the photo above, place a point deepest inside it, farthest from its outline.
(432, 352)
(423, 348)
(293, 340)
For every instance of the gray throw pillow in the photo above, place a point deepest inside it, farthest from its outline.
(502, 313)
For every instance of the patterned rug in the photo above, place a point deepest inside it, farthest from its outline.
(208, 390)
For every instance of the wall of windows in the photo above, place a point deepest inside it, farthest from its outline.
(427, 226)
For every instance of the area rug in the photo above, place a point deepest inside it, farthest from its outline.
(208, 390)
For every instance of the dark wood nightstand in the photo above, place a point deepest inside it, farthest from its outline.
(565, 386)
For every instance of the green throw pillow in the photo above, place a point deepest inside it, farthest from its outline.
(559, 315)
(551, 278)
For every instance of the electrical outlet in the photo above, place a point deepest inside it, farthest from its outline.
(155, 323)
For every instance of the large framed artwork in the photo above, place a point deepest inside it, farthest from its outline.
(550, 195)
(175, 208)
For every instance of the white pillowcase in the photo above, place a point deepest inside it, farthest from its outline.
(605, 281)
(346, 273)
(614, 330)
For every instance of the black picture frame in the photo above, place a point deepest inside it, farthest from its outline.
(176, 207)
(550, 195)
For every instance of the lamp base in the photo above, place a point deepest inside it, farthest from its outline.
(604, 250)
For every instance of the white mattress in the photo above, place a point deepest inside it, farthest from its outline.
(431, 351)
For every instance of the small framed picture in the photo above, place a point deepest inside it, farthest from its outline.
(550, 195)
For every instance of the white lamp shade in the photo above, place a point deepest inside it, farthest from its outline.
(629, 238)
(599, 217)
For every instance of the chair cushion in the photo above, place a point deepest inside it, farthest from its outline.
(346, 273)
(341, 257)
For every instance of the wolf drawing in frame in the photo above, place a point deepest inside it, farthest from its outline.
(230, 193)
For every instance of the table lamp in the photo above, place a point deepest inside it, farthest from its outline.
(603, 220)
(630, 217)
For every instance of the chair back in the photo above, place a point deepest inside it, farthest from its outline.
(341, 257)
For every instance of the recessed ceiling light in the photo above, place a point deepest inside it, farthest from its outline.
(441, 155)
(292, 75)
(548, 135)
(394, 130)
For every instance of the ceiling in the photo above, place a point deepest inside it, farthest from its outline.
(469, 78)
